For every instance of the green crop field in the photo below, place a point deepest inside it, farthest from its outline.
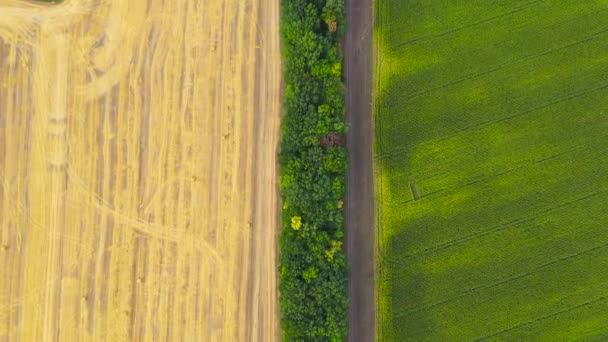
(491, 159)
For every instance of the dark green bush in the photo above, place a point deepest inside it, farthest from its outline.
(313, 270)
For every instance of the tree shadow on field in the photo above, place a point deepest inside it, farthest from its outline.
(401, 288)
(401, 126)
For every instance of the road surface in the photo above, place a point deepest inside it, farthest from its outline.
(360, 198)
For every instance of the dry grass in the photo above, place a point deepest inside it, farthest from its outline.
(137, 153)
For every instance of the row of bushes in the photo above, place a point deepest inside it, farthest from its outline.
(313, 280)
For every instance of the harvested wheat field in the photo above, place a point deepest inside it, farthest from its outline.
(137, 160)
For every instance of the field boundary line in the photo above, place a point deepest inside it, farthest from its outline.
(377, 171)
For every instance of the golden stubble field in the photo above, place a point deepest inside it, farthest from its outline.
(137, 167)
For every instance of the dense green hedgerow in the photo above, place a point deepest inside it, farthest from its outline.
(313, 160)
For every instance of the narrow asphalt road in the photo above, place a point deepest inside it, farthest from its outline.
(360, 198)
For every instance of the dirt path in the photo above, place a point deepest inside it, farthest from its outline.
(360, 200)
(137, 151)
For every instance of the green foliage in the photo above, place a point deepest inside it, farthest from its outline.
(313, 271)
(496, 110)
(334, 17)
(296, 222)
(310, 274)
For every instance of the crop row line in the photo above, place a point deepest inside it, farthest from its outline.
(487, 20)
(503, 280)
(506, 64)
(540, 319)
(502, 226)
(480, 125)
(581, 147)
